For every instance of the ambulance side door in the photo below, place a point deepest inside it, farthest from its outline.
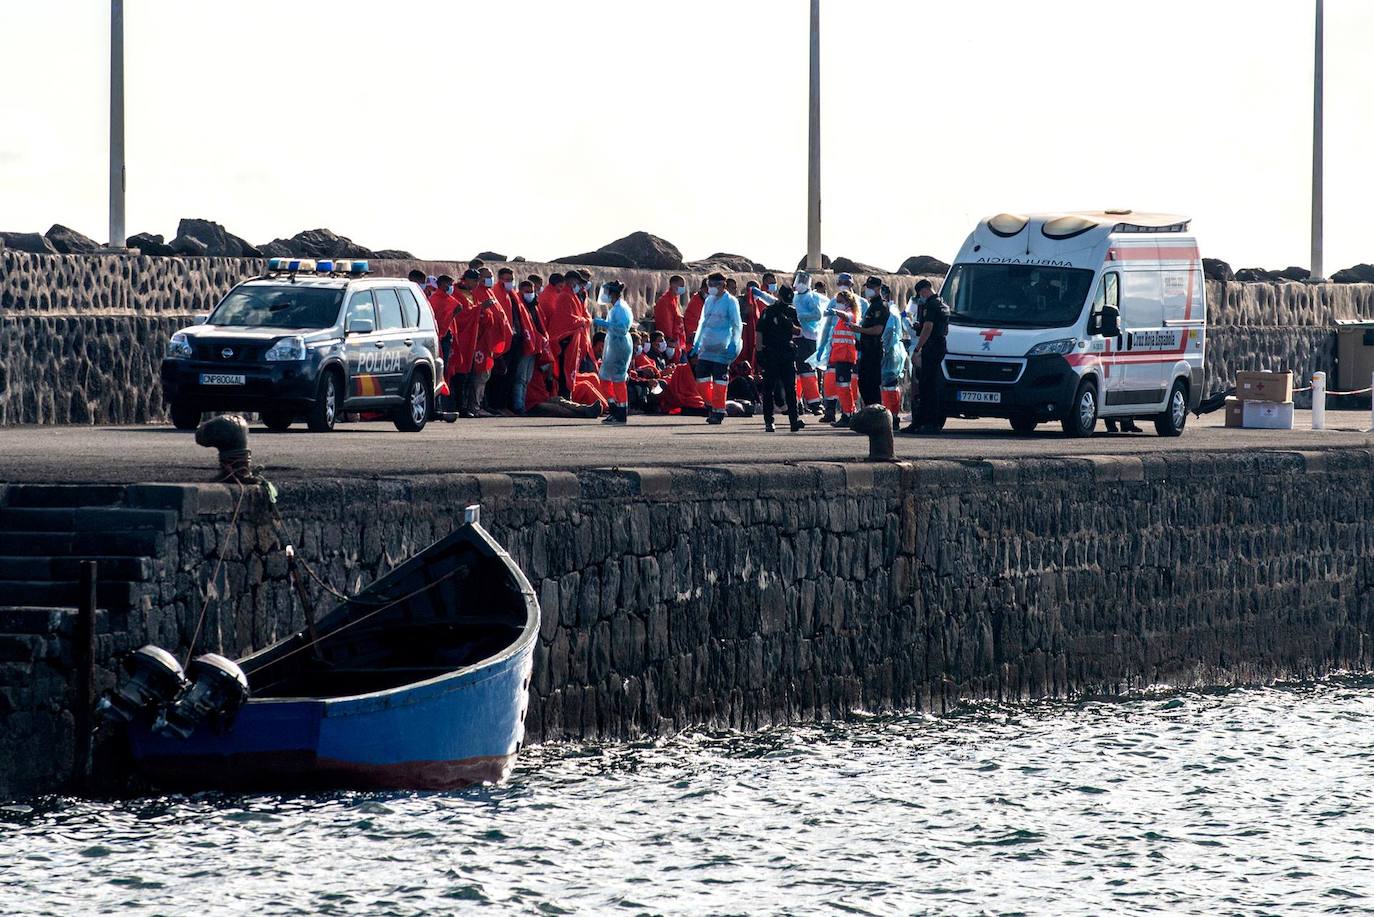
(1142, 322)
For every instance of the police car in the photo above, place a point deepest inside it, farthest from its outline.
(308, 340)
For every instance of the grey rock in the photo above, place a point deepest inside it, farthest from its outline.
(1360, 273)
(491, 256)
(218, 242)
(825, 262)
(189, 246)
(320, 243)
(924, 266)
(31, 242)
(1216, 269)
(68, 241)
(393, 254)
(647, 252)
(842, 265)
(727, 262)
(597, 259)
(149, 244)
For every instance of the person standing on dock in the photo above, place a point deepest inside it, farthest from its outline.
(777, 329)
(716, 345)
(668, 313)
(932, 323)
(616, 351)
(870, 330)
(844, 352)
(809, 305)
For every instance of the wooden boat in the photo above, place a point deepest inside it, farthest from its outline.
(421, 681)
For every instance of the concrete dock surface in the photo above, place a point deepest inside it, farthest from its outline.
(70, 454)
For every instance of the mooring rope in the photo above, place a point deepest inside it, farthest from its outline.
(219, 562)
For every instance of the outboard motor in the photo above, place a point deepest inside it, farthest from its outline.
(155, 679)
(218, 688)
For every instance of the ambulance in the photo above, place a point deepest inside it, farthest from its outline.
(1072, 317)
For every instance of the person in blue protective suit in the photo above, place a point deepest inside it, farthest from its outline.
(616, 351)
(717, 343)
(895, 363)
(810, 306)
(821, 359)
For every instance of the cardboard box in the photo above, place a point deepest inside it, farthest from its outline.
(1235, 417)
(1265, 415)
(1276, 388)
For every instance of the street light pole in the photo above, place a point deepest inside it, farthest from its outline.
(1317, 154)
(117, 237)
(813, 172)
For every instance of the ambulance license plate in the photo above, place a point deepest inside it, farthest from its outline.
(222, 379)
(981, 397)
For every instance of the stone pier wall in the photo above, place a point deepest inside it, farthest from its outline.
(740, 596)
(81, 337)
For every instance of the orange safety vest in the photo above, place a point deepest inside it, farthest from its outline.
(843, 342)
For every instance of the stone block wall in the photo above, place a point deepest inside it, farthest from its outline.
(81, 336)
(741, 596)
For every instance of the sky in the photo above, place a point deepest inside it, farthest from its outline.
(545, 128)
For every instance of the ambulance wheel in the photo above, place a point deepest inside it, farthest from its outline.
(185, 416)
(412, 416)
(1175, 417)
(1081, 419)
(278, 421)
(325, 410)
(1023, 423)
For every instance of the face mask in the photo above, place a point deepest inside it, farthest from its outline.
(489, 282)
(669, 350)
(529, 297)
(714, 291)
(661, 346)
(510, 286)
(447, 289)
(870, 293)
(846, 289)
(772, 288)
(678, 291)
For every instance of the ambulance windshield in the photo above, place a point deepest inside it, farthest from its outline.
(286, 306)
(1016, 295)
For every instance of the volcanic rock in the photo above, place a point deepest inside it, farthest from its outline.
(842, 265)
(725, 261)
(68, 241)
(825, 263)
(923, 265)
(218, 242)
(647, 251)
(1293, 273)
(597, 259)
(28, 242)
(490, 256)
(317, 243)
(393, 254)
(1360, 273)
(149, 244)
(1216, 269)
(190, 246)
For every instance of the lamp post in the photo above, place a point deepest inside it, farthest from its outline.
(813, 171)
(117, 238)
(1317, 74)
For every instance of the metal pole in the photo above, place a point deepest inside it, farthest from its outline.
(813, 172)
(117, 237)
(1318, 73)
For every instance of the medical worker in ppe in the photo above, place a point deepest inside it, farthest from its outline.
(617, 350)
(810, 307)
(717, 343)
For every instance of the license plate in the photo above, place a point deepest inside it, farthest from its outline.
(981, 397)
(222, 379)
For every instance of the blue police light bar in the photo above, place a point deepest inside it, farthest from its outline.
(324, 266)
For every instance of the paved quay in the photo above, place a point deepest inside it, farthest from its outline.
(376, 450)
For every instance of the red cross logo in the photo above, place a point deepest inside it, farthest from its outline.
(988, 335)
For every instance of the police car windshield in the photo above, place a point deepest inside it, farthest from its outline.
(286, 306)
(1016, 295)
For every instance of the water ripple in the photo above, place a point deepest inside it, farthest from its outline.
(1238, 802)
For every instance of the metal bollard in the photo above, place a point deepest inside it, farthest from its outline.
(1319, 401)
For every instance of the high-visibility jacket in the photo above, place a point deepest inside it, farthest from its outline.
(843, 337)
(668, 319)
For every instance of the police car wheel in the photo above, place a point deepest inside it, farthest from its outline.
(1081, 418)
(1175, 416)
(185, 416)
(412, 416)
(325, 410)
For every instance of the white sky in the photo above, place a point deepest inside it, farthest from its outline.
(442, 127)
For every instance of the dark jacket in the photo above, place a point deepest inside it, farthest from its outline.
(776, 328)
(935, 313)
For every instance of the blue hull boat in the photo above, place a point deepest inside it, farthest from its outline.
(421, 681)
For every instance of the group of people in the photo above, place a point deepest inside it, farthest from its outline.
(534, 346)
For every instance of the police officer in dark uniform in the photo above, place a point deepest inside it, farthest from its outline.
(870, 342)
(777, 355)
(933, 326)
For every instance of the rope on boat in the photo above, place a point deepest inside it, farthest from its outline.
(219, 562)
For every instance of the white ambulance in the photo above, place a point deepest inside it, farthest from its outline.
(1076, 316)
